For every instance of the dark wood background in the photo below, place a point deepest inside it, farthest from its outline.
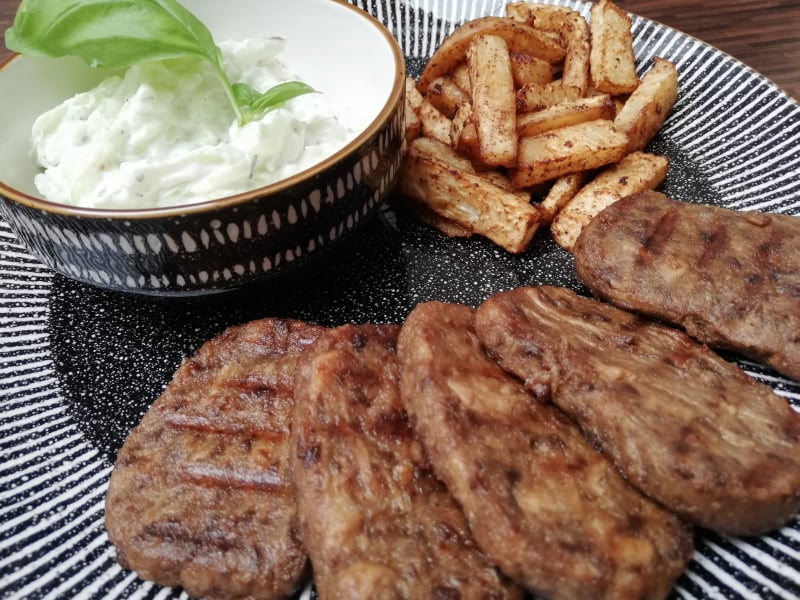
(764, 34)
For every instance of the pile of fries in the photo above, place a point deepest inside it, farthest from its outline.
(533, 119)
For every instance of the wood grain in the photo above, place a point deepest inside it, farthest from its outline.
(763, 34)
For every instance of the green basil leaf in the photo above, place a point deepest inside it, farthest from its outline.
(244, 94)
(255, 105)
(114, 34)
(117, 34)
(109, 33)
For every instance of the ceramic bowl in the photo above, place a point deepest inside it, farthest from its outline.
(224, 243)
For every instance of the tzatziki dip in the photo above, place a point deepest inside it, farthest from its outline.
(159, 136)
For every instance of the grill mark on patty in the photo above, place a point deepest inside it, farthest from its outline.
(714, 244)
(237, 443)
(264, 480)
(210, 426)
(658, 236)
(206, 543)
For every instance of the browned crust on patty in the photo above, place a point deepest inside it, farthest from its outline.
(551, 511)
(376, 521)
(201, 493)
(731, 279)
(686, 427)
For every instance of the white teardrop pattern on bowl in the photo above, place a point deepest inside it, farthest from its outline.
(733, 137)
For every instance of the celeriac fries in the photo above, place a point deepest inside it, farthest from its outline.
(469, 200)
(533, 119)
(566, 150)
(611, 60)
(564, 114)
(493, 107)
(643, 113)
(635, 173)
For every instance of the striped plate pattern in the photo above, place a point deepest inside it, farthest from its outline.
(729, 123)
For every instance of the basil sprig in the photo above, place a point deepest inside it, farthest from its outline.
(117, 34)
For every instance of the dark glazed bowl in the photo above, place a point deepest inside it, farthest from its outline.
(221, 244)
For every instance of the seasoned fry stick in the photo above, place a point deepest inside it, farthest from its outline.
(446, 96)
(611, 60)
(436, 150)
(573, 30)
(460, 76)
(529, 69)
(644, 111)
(576, 62)
(563, 114)
(567, 150)
(548, 17)
(518, 36)
(460, 120)
(468, 144)
(635, 173)
(560, 193)
(470, 201)
(412, 122)
(464, 136)
(536, 96)
(493, 105)
(434, 123)
(413, 95)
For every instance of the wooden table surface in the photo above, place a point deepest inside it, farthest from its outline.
(764, 34)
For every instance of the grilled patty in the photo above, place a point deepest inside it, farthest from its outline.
(549, 509)
(686, 427)
(201, 493)
(376, 521)
(731, 279)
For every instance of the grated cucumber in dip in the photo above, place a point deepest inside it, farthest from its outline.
(159, 136)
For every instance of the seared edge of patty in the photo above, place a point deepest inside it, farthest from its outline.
(549, 509)
(201, 493)
(684, 426)
(376, 521)
(731, 279)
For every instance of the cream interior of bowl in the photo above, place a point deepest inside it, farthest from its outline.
(332, 46)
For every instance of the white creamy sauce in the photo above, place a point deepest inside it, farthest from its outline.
(158, 136)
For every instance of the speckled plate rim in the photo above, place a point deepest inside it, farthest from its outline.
(749, 145)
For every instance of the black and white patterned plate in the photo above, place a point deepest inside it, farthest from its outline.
(79, 365)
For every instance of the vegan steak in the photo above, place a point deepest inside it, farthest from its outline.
(686, 427)
(549, 509)
(201, 494)
(731, 279)
(375, 519)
